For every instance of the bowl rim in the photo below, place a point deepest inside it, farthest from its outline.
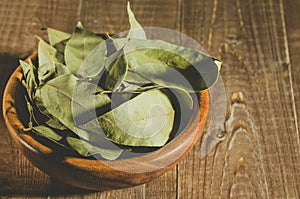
(24, 140)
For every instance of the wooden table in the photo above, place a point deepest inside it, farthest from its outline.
(259, 43)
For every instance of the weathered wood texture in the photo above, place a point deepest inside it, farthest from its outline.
(259, 43)
(293, 48)
(260, 157)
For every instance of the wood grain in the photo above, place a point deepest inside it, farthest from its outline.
(260, 157)
(91, 13)
(293, 57)
(258, 41)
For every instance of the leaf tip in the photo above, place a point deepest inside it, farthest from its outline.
(136, 30)
(38, 38)
(218, 64)
(79, 25)
(128, 6)
(22, 62)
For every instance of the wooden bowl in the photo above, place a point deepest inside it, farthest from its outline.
(94, 174)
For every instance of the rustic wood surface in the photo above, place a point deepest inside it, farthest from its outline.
(259, 43)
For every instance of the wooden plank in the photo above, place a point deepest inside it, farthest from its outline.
(163, 187)
(260, 157)
(19, 23)
(134, 192)
(112, 17)
(105, 16)
(293, 56)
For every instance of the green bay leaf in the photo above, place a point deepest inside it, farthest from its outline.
(146, 120)
(25, 67)
(47, 132)
(49, 65)
(36, 117)
(60, 69)
(85, 148)
(58, 40)
(55, 123)
(135, 78)
(79, 46)
(136, 30)
(30, 75)
(93, 63)
(115, 71)
(67, 98)
(50, 134)
(57, 36)
(171, 65)
(47, 59)
(128, 92)
(60, 54)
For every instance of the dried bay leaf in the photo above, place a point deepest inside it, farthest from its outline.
(79, 46)
(58, 40)
(55, 123)
(57, 36)
(129, 92)
(136, 30)
(38, 118)
(146, 120)
(30, 75)
(60, 69)
(25, 67)
(84, 148)
(60, 54)
(115, 71)
(93, 63)
(52, 135)
(138, 88)
(48, 69)
(47, 60)
(58, 99)
(133, 77)
(171, 65)
(47, 132)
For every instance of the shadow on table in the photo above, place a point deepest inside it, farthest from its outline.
(16, 172)
(8, 64)
(56, 188)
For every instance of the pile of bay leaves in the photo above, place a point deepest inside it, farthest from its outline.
(92, 93)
